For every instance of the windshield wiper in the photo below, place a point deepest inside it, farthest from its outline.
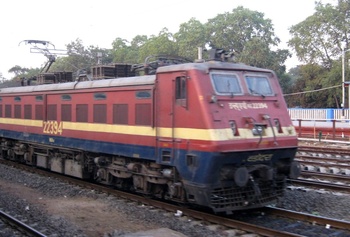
(257, 93)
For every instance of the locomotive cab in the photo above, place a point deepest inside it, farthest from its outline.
(228, 133)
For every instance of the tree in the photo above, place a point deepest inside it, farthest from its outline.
(250, 36)
(190, 36)
(234, 30)
(257, 53)
(18, 70)
(162, 44)
(318, 42)
(136, 43)
(319, 38)
(120, 50)
(81, 57)
(311, 83)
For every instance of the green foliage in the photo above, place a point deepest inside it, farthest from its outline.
(190, 36)
(120, 50)
(163, 44)
(250, 36)
(258, 54)
(319, 38)
(314, 79)
(18, 70)
(81, 58)
(234, 30)
(318, 42)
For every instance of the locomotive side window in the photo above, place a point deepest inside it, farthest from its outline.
(28, 111)
(120, 113)
(100, 96)
(181, 91)
(143, 94)
(82, 113)
(18, 113)
(226, 83)
(180, 87)
(66, 97)
(259, 85)
(39, 98)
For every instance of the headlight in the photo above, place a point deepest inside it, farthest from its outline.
(258, 130)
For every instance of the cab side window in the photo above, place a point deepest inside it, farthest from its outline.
(181, 91)
(181, 88)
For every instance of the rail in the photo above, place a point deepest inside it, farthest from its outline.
(29, 231)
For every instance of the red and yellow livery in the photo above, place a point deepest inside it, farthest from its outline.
(213, 133)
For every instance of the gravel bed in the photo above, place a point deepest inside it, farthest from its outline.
(52, 206)
(317, 202)
(52, 188)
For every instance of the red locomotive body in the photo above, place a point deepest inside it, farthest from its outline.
(215, 134)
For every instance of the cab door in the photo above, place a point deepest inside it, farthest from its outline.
(171, 93)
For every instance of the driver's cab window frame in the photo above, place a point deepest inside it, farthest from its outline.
(258, 85)
(226, 83)
(181, 91)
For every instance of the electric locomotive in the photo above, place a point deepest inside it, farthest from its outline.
(210, 133)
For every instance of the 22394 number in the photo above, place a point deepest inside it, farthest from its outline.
(52, 127)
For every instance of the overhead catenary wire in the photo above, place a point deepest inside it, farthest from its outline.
(311, 91)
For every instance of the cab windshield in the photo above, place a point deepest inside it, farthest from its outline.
(258, 85)
(226, 84)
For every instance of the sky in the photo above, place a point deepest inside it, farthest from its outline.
(98, 23)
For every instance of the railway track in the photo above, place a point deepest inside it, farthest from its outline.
(324, 159)
(324, 167)
(319, 185)
(229, 222)
(329, 177)
(332, 160)
(340, 151)
(18, 226)
(308, 218)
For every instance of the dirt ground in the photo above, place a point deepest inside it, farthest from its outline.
(63, 209)
(79, 211)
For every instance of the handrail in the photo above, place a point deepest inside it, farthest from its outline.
(336, 128)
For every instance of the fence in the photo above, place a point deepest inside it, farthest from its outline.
(319, 114)
(321, 123)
